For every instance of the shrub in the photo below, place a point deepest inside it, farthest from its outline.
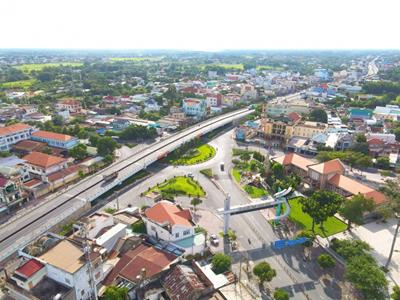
(221, 263)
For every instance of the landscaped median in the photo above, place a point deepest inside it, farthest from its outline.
(191, 156)
(178, 186)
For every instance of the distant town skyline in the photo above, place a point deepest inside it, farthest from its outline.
(206, 25)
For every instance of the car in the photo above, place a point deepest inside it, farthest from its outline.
(191, 175)
(214, 240)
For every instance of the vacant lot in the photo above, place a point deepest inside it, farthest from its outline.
(27, 68)
(21, 84)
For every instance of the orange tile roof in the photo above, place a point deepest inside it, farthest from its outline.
(166, 212)
(153, 260)
(63, 173)
(294, 159)
(14, 129)
(43, 160)
(354, 187)
(51, 135)
(328, 167)
(69, 102)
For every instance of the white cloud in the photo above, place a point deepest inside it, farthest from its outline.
(200, 25)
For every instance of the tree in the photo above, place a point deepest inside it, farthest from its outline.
(360, 138)
(245, 156)
(79, 152)
(113, 292)
(139, 227)
(325, 261)
(392, 191)
(396, 293)
(221, 263)
(321, 205)
(58, 120)
(264, 272)
(367, 277)
(319, 115)
(281, 294)
(383, 163)
(106, 146)
(47, 150)
(354, 209)
(195, 201)
(361, 147)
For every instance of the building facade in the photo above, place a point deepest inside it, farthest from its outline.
(12, 134)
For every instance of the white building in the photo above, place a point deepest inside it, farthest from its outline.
(12, 134)
(169, 222)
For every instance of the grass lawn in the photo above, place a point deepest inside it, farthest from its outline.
(180, 186)
(27, 68)
(193, 156)
(332, 226)
(21, 84)
(236, 174)
(255, 192)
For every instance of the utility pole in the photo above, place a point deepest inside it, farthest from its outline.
(87, 251)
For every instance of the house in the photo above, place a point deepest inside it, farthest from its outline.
(169, 222)
(72, 105)
(29, 274)
(359, 114)
(12, 134)
(194, 107)
(26, 146)
(66, 263)
(43, 165)
(214, 99)
(321, 74)
(120, 123)
(11, 192)
(57, 140)
(143, 264)
(151, 105)
(231, 99)
(391, 112)
(248, 92)
(322, 172)
(184, 283)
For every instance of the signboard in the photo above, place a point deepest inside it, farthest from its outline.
(280, 244)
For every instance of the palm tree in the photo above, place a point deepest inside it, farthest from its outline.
(392, 190)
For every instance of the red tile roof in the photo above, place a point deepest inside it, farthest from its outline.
(8, 130)
(153, 260)
(63, 173)
(51, 135)
(294, 159)
(166, 212)
(354, 187)
(294, 117)
(43, 160)
(3, 181)
(28, 145)
(70, 102)
(32, 182)
(29, 268)
(328, 167)
(375, 141)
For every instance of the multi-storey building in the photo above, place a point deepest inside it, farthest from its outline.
(195, 107)
(72, 105)
(12, 134)
(57, 140)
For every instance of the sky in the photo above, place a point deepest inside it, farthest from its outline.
(208, 25)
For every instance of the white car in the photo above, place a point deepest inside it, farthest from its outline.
(214, 240)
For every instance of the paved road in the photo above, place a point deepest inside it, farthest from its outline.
(61, 205)
(293, 273)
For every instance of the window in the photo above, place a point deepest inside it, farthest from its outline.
(177, 234)
(153, 228)
(67, 281)
(82, 292)
(186, 232)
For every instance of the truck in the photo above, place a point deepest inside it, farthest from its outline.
(222, 166)
(110, 177)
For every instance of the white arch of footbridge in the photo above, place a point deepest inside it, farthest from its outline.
(271, 201)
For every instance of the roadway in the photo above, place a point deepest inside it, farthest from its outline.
(29, 225)
(254, 233)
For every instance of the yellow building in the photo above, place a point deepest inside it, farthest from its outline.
(308, 129)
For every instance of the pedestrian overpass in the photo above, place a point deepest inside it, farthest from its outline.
(272, 201)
